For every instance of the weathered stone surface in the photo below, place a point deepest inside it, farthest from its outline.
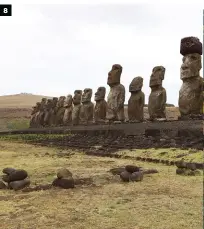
(63, 183)
(125, 176)
(48, 112)
(190, 45)
(64, 173)
(77, 106)
(67, 119)
(34, 115)
(191, 92)
(42, 111)
(157, 97)
(180, 171)
(132, 168)
(53, 111)
(18, 185)
(87, 107)
(191, 166)
(180, 164)
(8, 170)
(100, 108)
(136, 176)
(60, 109)
(116, 96)
(17, 175)
(2, 185)
(136, 101)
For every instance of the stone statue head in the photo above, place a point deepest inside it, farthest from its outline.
(54, 101)
(86, 96)
(77, 97)
(43, 100)
(68, 101)
(157, 76)
(49, 103)
(60, 102)
(100, 94)
(114, 75)
(37, 106)
(43, 104)
(191, 66)
(136, 84)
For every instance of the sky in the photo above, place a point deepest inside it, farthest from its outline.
(53, 49)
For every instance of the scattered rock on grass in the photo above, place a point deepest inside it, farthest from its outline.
(63, 183)
(20, 184)
(136, 176)
(132, 168)
(8, 170)
(64, 173)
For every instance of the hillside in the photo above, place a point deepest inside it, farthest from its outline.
(20, 100)
(15, 110)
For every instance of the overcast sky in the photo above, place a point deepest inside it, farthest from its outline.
(54, 49)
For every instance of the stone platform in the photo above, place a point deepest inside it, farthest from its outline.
(182, 134)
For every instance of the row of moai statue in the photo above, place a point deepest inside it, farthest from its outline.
(78, 109)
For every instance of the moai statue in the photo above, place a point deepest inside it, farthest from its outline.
(87, 107)
(48, 113)
(67, 119)
(35, 111)
(191, 92)
(60, 109)
(77, 106)
(100, 108)
(53, 111)
(157, 97)
(42, 112)
(136, 101)
(116, 96)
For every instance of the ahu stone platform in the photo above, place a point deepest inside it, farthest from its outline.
(182, 134)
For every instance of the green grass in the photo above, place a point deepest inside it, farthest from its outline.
(166, 154)
(163, 200)
(17, 124)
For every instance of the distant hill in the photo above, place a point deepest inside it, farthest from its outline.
(23, 100)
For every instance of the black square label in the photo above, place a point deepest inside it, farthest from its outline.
(5, 10)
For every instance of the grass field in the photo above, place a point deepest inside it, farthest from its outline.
(161, 201)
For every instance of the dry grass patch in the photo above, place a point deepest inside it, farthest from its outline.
(161, 201)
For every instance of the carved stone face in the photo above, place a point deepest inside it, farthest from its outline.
(114, 75)
(49, 103)
(191, 66)
(136, 84)
(54, 101)
(86, 96)
(157, 76)
(60, 102)
(68, 101)
(77, 99)
(100, 94)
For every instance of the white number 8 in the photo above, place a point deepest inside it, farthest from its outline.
(5, 10)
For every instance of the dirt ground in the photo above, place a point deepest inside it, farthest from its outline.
(161, 201)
